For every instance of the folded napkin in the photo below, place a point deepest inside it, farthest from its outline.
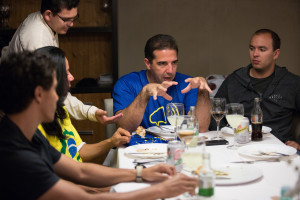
(137, 139)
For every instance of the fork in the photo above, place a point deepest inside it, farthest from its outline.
(270, 153)
(164, 129)
(253, 161)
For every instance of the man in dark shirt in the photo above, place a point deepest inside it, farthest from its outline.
(278, 89)
(32, 169)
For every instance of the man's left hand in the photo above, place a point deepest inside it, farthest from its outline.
(101, 116)
(197, 82)
(159, 172)
(293, 144)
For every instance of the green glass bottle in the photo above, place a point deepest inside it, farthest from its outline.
(207, 178)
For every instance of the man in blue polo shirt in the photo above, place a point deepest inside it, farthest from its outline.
(142, 96)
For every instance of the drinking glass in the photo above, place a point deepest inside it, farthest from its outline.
(175, 112)
(192, 158)
(234, 116)
(218, 108)
(187, 127)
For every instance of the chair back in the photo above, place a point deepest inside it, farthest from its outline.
(111, 158)
(110, 128)
(296, 127)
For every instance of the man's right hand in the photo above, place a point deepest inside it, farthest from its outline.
(177, 185)
(120, 137)
(155, 89)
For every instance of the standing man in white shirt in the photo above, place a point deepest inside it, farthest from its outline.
(41, 29)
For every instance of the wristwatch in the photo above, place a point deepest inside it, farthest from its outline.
(139, 169)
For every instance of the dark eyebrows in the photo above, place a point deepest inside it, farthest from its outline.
(259, 47)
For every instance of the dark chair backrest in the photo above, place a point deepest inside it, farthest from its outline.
(296, 127)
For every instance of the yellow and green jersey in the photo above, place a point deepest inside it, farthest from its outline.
(68, 146)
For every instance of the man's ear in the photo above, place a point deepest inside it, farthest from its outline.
(276, 54)
(147, 63)
(38, 94)
(47, 15)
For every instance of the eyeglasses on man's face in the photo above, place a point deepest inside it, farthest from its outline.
(69, 19)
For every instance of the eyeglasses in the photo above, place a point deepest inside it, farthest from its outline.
(69, 20)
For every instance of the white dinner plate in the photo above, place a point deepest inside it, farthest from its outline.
(254, 151)
(238, 175)
(228, 130)
(151, 150)
(165, 131)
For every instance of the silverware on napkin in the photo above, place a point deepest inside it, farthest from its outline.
(147, 161)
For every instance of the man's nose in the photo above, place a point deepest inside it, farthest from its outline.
(170, 68)
(255, 53)
(71, 24)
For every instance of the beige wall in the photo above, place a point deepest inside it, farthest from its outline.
(213, 35)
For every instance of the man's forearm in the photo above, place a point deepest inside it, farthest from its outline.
(134, 113)
(203, 110)
(89, 152)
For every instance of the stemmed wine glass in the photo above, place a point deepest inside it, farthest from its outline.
(175, 112)
(234, 116)
(218, 108)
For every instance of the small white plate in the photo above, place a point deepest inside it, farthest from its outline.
(228, 130)
(164, 131)
(147, 151)
(238, 175)
(254, 150)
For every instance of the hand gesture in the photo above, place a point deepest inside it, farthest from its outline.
(158, 172)
(197, 82)
(155, 89)
(178, 185)
(103, 119)
(120, 137)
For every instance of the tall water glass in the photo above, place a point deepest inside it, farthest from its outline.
(175, 112)
(192, 158)
(218, 108)
(234, 116)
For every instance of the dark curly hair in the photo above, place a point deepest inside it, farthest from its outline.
(20, 74)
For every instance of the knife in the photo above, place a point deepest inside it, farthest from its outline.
(154, 153)
(253, 161)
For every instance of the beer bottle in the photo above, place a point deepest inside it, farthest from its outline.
(207, 178)
(256, 121)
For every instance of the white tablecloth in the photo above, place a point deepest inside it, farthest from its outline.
(275, 174)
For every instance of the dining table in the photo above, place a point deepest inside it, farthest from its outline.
(268, 181)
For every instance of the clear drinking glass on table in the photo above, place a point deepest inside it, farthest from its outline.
(175, 112)
(187, 127)
(234, 116)
(218, 108)
(192, 157)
